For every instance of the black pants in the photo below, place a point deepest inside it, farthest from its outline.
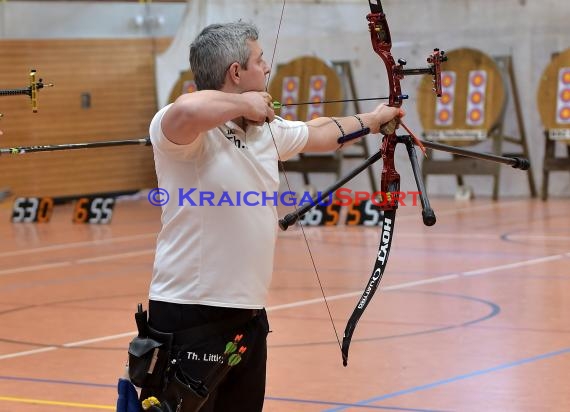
(243, 388)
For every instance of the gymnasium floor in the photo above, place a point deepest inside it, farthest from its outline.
(473, 315)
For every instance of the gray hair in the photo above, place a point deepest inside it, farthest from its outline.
(216, 48)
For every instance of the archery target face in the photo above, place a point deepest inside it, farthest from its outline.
(563, 96)
(317, 87)
(476, 90)
(444, 105)
(290, 95)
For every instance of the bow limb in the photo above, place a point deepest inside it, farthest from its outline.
(382, 44)
(390, 189)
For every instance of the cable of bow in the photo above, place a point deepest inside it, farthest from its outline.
(310, 253)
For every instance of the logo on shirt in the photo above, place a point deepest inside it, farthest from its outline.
(231, 136)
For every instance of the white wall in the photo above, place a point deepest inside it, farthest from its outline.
(91, 19)
(528, 30)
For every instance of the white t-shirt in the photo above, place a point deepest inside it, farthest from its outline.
(217, 242)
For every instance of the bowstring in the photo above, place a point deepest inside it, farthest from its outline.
(289, 188)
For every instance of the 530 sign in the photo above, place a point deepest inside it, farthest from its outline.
(32, 209)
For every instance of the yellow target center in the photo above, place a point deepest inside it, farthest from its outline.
(476, 98)
(445, 98)
(477, 80)
(444, 115)
(317, 84)
(475, 115)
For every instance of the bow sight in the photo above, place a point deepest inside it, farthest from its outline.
(31, 90)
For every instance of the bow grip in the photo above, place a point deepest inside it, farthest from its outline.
(390, 127)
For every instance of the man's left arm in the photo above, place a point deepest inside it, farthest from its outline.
(325, 131)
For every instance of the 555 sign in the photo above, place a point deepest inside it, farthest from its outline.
(91, 210)
(358, 213)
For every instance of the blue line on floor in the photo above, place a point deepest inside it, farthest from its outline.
(456, 378)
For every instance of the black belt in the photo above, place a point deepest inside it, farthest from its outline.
(197, 333)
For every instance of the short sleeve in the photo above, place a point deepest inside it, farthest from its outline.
(290, 137)
(161, 143)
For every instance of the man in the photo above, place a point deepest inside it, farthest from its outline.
(214, 258)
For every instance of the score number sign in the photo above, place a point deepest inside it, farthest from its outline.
(92, 210)
(32, 209)
(364, 212)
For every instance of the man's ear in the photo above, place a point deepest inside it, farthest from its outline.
(234, 72)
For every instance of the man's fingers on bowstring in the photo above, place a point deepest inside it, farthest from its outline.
(268, 99)
(269, 111)
(269, 117)
(270, 114)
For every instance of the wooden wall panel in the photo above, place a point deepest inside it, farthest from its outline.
(118, 75)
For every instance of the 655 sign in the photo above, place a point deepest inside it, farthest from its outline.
(88, 209)
(94, 210)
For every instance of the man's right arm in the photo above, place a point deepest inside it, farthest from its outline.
(194, 113)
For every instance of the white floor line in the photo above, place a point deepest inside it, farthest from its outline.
(538, 237)
(32, 268)
(102, 258)
(514, 265)
(63, 246)
(66, 345)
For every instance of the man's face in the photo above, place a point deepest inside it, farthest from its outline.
(253, 78)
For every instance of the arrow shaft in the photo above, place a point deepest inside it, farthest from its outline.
(278, 105)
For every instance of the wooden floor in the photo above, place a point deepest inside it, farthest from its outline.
(474, 312)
